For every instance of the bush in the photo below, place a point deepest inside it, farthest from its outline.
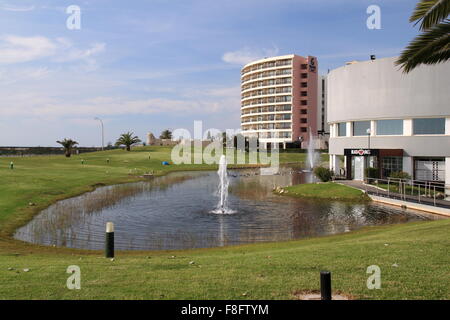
(323, 174)
(372, 173)
(400, 175)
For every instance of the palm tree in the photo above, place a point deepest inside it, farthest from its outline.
(433, 45)
(127, 139)
(166, 134)
(68, 145)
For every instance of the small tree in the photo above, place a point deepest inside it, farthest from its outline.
(68, 145)
(127, 140)
(400, 175)
(323, 174)
(166, 134)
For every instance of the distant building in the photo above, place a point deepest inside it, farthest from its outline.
(279, 100)
(152, 141)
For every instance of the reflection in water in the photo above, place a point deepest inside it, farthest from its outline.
(173, 212)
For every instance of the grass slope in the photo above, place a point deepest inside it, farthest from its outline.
(260, 271)
(328, 190)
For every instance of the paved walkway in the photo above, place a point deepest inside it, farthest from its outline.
(373, 190)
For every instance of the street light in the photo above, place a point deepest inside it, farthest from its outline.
(103, 132)
(368, 135)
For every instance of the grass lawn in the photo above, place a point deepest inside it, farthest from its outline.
(328, 190)
(414, 265)
(418, 251)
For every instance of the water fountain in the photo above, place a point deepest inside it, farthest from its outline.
(223, 188)
(311, 153)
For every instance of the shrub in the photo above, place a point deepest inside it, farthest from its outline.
(372, 173)
(400, 175)
(323, 174)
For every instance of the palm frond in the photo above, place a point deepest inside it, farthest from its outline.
(430, 47)
(430, 13)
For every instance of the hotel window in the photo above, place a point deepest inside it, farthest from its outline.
(360, 128)
(389, 127)
(429, 126)
(304, 75)
(304, 102)
(342, 129)
(304, 111)
(304, 84)
(304, 129)
(303, 120)
(304, 93)
(304, 66)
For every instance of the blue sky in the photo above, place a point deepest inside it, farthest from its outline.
(150, 65)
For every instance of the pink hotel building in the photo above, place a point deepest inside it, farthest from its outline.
(279, 100)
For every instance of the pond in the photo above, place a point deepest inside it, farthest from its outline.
(175, 212)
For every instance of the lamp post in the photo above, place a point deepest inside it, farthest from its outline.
(103, 132)
(368, 157)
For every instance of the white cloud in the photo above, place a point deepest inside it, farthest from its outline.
(38, 104)
(15, 49)
(8, 7)
(246, 55)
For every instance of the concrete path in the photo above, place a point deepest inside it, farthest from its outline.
(426, 204)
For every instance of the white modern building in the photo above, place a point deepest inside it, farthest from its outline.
(381, 117)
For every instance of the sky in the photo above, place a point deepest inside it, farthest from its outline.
(149, 65)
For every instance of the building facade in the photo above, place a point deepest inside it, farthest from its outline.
(279, 98)
(380, 117)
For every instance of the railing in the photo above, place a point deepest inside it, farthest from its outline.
(426, 192)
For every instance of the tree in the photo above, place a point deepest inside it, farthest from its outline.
(166, 134)
(127, 139)
(68, 145)
(432, 46)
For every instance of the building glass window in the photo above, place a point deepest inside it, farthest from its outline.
(390, 165)
(429, 126)
(304, 111)
(429, 169)
(389, 127)
(303, 129)
(342, 129)
(360, 128)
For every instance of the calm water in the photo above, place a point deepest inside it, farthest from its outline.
(174, 212)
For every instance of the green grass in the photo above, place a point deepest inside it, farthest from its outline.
(328, 190)
(258, 271)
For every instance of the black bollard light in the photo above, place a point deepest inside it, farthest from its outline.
(109, 240)
(325, 285)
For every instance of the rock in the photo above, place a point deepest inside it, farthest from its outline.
(26, 270)
(10, 269)
(192, 262)
(112, 259)
(395, 265)
(386, 244)
(31, 204)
